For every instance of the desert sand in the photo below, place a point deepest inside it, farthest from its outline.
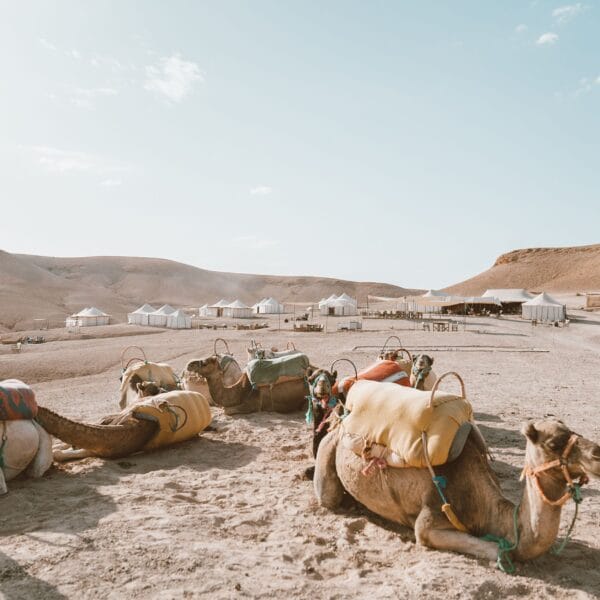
(229, 514)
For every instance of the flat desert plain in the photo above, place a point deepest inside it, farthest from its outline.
(229, 514)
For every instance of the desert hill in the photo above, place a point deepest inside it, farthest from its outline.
(49, 287)
(571, 269)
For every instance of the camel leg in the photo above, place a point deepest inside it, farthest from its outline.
(450, 539)
(3, 488)
(43, 458)
(328, 487)
(61, 455)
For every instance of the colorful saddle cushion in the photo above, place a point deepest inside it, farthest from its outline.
(17, 401)
(383, 370)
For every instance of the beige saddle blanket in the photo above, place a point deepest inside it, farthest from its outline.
(387, 421)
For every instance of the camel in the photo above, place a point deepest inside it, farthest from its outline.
(242, 398)
(421, 375)
(323, 405)
(554, 456)
(196, 383)
(24, 447)
(140, 427)
(159, 373)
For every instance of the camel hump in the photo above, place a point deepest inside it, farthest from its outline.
(180, 415)
(390, 371)
(395, 417)
(17, 401)
(269, 371)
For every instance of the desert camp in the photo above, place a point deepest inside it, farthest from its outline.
(299, 300)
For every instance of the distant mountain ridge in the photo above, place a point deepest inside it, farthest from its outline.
(50, 287)
(568, 269)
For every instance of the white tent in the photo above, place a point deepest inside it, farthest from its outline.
(326, 302)
(544, 308)
(88, 317)
(159, 317)
(179, 320)
(344, 308)
(508, 296)
(217, 309)
(434, 294)
(141, 315)
(203, 311)
(268, 306)
(347, 298)
(237, 310)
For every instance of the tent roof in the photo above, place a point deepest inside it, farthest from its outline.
(145, 309)
(204, 306)
(345, 296)
(178, 313)
(165, 309)
(92, 311)
(220, 304)
(434, 293)
(237, 304)
(270, 302)
(331, 298)
(341, 302)
(543, 299)
(509, 295)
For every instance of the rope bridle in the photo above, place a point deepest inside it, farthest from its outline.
(573, 487)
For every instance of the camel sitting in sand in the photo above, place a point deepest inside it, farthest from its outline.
(242, 397)
(155, 421)
(159, 373)
(554, 457)
(194, 382)
(421, 375)
(323, 406)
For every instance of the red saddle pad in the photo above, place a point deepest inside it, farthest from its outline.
(17, 401)
(382, 370)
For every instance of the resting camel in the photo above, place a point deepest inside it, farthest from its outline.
(176, 416)
(26, 446)
(242, 398)
(554, 456)
(421, 375)
(159, 373)
(196, 383)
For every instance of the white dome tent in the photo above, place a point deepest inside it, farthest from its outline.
(544, 308)
(203, 311)
(179, 320)
(344, 308)
(159, 317)
(268, 306)
(338, 306)
(217, 309)
(237, 310)
(141, 316)
(88, 317)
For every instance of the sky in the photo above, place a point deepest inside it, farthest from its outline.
(409, 143)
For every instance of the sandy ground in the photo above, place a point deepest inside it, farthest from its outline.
(228, 514)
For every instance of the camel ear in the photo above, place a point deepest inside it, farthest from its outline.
(431, 360)
(530, 432)
(414, 357)
(334, 375)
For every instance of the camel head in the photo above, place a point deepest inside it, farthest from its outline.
(204, 367)
(321, 382)
(548, 440)
(148, 388)
(422, 362)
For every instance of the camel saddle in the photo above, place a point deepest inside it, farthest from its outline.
(276, 370)
(388, 421)
(17, 401)
(181, 415)
(383, 370)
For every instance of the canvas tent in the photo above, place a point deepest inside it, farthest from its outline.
(336, 306)
(268, 306)
(88, 317)
(141, 316)
(544, 308)
(511, 299)
(179, 320)
(203, 311)
(237, 310)
(217, 309)
(158, 318)
(434, 294)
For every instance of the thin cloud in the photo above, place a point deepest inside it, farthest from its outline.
(564, 14)
(547, 39)
(261, 190)
(85, 97)
(252, 242)
(522, 28)
(63, 162)
(172, 77)
(48, 45)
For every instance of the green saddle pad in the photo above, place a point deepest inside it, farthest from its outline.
(268, 371)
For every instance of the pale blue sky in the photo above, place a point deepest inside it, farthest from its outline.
(402, 142)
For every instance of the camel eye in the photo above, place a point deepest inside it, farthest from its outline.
(553, 445)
